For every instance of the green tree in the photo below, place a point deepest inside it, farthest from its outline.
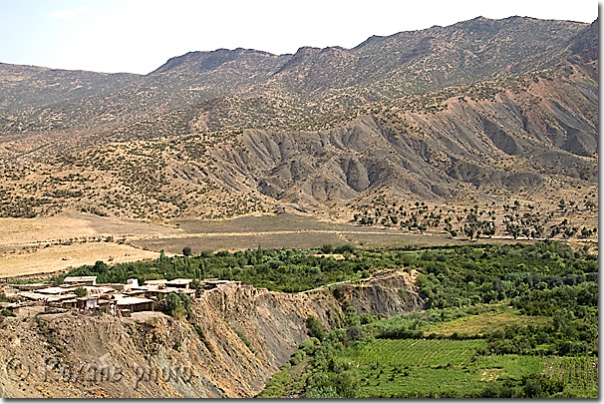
(354, 333)
(80, 291)
(187, 252)
(174, 305)
(100, 267)
(315, 328)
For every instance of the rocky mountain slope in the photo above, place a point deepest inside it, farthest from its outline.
(483, 110)
(238, 339)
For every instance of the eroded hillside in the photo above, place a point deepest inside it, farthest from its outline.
(238, 338)
(529, 138)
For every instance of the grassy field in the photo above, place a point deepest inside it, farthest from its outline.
(410, 367)
(478, 324)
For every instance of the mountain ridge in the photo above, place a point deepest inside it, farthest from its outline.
(470, 109)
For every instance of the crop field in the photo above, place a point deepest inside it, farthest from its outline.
(579, 373)
(283, 222)
(407, 367)
(419, 352)
(478, 324)
(418, 367)
(216, 242)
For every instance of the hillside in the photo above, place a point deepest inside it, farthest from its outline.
(483, 111)
(238, 338)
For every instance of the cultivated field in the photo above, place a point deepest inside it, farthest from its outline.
(408, 367)
(485, 322)
(61, 257)
(578, 373)
(31, 245)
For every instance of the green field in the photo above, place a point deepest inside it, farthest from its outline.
(579, 374)
(420, 367)
(417, 352)
(485, 322)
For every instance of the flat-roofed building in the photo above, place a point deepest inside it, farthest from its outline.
(155, 282)
(179, 283)
(133, 304)
(55, 290)
(80, 280)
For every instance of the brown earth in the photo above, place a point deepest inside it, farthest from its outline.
(223, 366)
(63, 257)
(477, 112)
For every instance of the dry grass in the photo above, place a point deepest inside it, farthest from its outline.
(74, 225)
(482, 322)
(61, 257)
(240, 242)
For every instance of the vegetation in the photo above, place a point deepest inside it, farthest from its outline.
(496, 318)
(178, 305)
(80, 291)
(501, 321)
(286, 270)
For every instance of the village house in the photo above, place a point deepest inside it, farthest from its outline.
(80, 280)
(124, 298)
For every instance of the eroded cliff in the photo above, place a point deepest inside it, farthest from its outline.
(237, 339)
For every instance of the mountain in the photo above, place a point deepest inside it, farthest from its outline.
(480, 110)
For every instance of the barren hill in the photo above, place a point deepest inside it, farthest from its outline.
(483, 110)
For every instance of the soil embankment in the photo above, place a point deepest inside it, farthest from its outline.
(238, 339)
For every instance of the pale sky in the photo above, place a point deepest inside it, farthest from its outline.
(138, 36)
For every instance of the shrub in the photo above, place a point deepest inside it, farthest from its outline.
(7, 313)
(297, 357)
(80, 291)
(315, 328)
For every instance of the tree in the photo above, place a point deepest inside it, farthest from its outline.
(195, 284)
(315, 328)
(187, 252)
(80, 291)
(469, 231)
(100, 267)
(354, 333)
(174, 305)
(540, 386)
(562, 204)
(327, 249)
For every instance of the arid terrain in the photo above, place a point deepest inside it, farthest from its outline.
(450, 173)
(219, 364)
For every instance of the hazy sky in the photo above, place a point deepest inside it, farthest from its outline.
(137, 36)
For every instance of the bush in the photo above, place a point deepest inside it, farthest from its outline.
(327, 249)
(540, 386)
(297, 357)
(310, 345)
(7, 313)
(315, 328)
(80, 291)
(178, 306)
(354, 333)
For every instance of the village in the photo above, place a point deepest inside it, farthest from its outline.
(82, 293)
